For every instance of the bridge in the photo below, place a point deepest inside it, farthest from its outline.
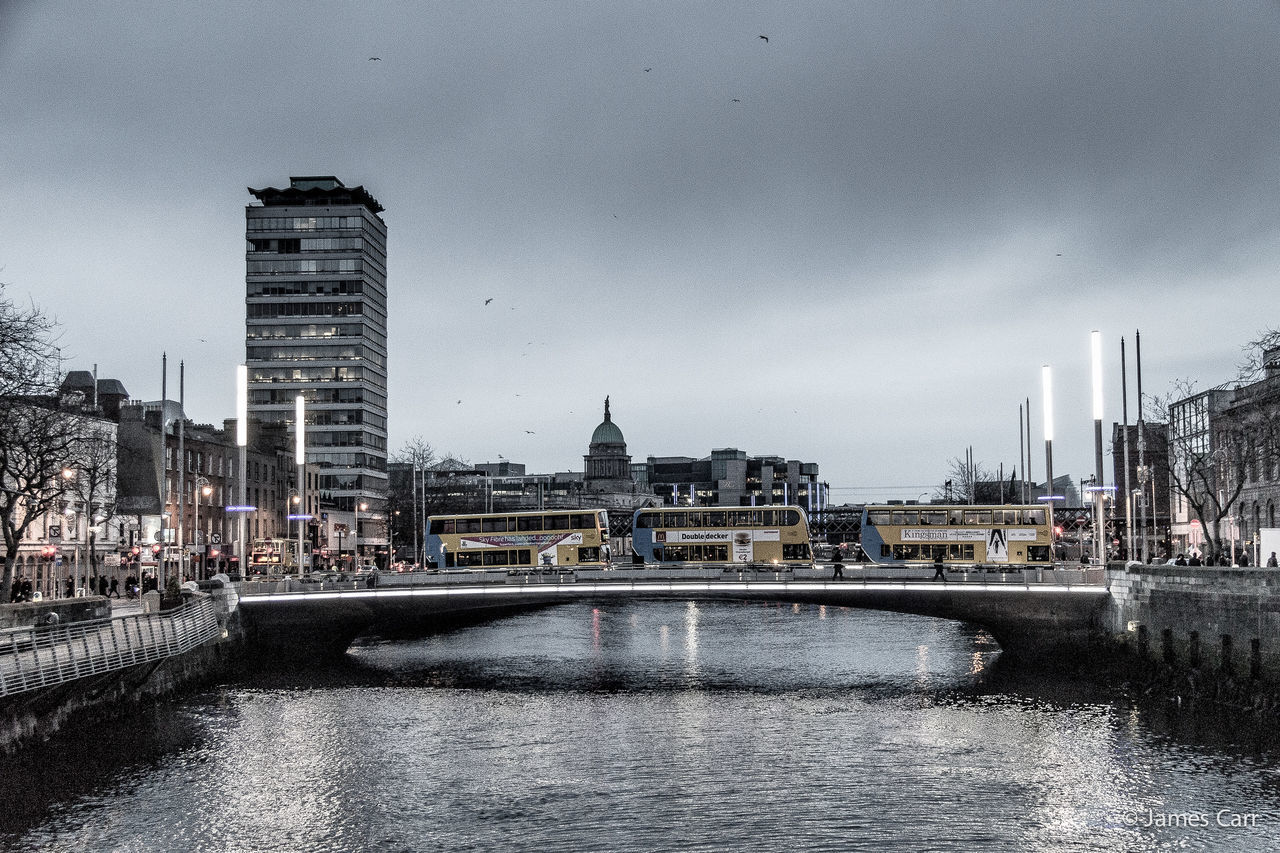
(1033, 615)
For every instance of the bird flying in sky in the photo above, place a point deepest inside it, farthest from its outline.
(766, 39)
(375, 59)
(487, 301)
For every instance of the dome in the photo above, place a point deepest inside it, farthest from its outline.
(607, 432)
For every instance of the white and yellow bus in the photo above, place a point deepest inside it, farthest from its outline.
(528, 541)
(979, 535)
(729, 535)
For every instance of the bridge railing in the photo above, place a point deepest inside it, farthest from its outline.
(48, 655)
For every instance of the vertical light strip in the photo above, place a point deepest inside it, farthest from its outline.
(242, 404)
(1096, 344)
(299, 433)
(1047, 381)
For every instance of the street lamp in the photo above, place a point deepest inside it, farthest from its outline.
(242, 440)
(355, 540)
(68, 475)
(202, 488)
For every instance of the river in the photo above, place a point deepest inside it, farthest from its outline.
(655, 725)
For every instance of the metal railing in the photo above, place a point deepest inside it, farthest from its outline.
(47, 655)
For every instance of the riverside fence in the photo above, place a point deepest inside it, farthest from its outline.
(48, 655)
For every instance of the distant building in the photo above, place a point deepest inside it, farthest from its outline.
(607, 467)
(316, 325)
(729, 477)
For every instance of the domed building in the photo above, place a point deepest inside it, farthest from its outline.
(607, 467)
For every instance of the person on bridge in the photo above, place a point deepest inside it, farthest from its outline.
(1271, 561)
(838, 570)
(937, 567)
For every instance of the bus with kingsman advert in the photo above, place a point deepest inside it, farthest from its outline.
(1013, 536)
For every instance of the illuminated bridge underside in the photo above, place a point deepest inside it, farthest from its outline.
(1030, 622)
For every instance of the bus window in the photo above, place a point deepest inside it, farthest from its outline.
(494, 525)
(955, 516)
(1033, 516)
(469, 525)
(902, 516)
(879, 516)
(529, 522)
(555, 522)
(440, 525)
(646, 520)
(933, 516)
(695, 519)
(674, 519)
(713, 519)
(977, 516)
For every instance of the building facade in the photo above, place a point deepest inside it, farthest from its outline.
(316, 326)
(1224, 464)
(729, 477)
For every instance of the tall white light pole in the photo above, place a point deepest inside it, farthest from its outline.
(1099, 517)
(242, 439)
(300, 459)
(1046, 379)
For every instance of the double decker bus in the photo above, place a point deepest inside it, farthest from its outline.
(728, 535)
(277, 556)
(528, 541)
(980, 535)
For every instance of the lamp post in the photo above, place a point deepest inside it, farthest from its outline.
(355, 534)
(295, 513)
(1099, 522)
(202, 488)
(300, 459)
(68, 475)
(242, 439)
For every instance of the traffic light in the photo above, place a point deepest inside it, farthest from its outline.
(155, 549)
(135, 551)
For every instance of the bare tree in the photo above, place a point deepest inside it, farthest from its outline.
(420, 494)
(38, 438)
(92, 480)
(1218, 438)
(961, 486)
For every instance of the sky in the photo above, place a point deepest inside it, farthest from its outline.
(854, 243)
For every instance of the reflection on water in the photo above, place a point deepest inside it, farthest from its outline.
(655, 725)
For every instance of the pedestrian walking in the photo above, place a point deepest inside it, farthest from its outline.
(938, 567)
(115, 587)
(1271, 561)
(837, 554)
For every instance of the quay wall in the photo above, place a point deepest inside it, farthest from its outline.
(1199, 632)
(28, 719)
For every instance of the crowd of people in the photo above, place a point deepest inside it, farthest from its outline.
(23, 588)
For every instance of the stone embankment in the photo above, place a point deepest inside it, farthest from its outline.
(1199, 633)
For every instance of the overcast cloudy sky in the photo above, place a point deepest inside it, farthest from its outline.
(853, 244)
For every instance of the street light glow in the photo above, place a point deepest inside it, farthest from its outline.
(1046, 377)
(1095, 341)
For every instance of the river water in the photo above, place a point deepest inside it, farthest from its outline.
(656, 725)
